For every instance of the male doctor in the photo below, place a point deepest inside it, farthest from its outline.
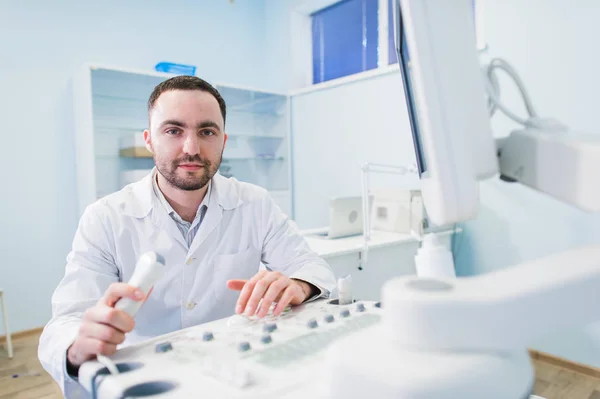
(212, 231)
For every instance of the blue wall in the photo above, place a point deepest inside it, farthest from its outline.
(42, 44)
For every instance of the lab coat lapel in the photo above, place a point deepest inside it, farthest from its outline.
(213, 217)
(224, 197)
(163, 220)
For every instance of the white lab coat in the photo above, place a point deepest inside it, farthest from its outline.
(242, 228)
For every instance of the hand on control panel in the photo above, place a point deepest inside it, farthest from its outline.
(103, 327)
(270, 287)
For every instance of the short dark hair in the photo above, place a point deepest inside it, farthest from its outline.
(185, 82)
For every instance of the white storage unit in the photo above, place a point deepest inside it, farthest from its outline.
(111, 114)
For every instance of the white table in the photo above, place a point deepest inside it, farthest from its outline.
(389, 255)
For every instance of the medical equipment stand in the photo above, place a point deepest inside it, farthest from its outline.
(6, 329)
(366, 169)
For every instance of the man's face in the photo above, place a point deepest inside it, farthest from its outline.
(186, 137)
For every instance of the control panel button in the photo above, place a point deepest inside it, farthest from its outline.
(377, 304)
(266, 339)
(190, 305)
(345, 313)
(207, 336)
(244, 346)
(270, 327)
(328, 318)
(360, 307)
(163, 347)
(312, 323)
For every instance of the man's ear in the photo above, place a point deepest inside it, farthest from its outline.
(226, 137)
(148, 141)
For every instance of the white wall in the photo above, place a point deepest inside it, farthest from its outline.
(552, 45)
(288, 41)
(42, 44)
(336, 131)
(277, 42)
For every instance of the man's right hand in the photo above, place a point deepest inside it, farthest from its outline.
(103, 327)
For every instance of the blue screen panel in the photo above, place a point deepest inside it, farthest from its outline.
(344, 39)
(393, 56)
(405, 70)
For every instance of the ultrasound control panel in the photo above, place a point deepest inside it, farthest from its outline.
(236, 357)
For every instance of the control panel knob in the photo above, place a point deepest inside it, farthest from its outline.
(345, 313)
(270, 327)
(377, 304)
(207, 336)
(163, 347)
(328, 318)
(312, 323)
(244, 346)
(266, 339)
(360, 307)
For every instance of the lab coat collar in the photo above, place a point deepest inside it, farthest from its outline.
(139, 197)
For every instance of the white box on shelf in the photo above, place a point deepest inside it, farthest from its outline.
(134, 140)
(398, 211)
(133, 146)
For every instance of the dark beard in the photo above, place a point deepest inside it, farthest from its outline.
(190, 182)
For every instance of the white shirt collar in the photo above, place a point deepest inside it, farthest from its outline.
(158, 193)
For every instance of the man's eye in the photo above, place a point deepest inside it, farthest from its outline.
(172, 131)
(207, 133)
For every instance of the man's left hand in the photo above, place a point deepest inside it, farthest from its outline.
(270, 287)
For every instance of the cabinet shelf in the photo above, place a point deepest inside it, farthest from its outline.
(257, 102)
(254, 137)
(135, 152)
(115, 98)
(234, 159)
(111, 114)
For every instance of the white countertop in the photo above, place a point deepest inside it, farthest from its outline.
(326, 248)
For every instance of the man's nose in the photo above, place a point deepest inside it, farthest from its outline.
(191, 145)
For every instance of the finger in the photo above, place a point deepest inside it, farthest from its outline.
(110, 316)
(102, 348)
(148, 295)
(117, 291)
(288, 295)
(92, 346)
(276, 288)
(236, 285)
(247, 291)
(258, 292)
(102, 332)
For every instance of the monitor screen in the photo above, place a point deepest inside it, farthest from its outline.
(404, 62)
(445, 98)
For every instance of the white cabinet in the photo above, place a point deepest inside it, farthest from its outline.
(384, 264)
(111, 114)
(390, 255)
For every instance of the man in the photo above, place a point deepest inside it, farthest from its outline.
(212, 231)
